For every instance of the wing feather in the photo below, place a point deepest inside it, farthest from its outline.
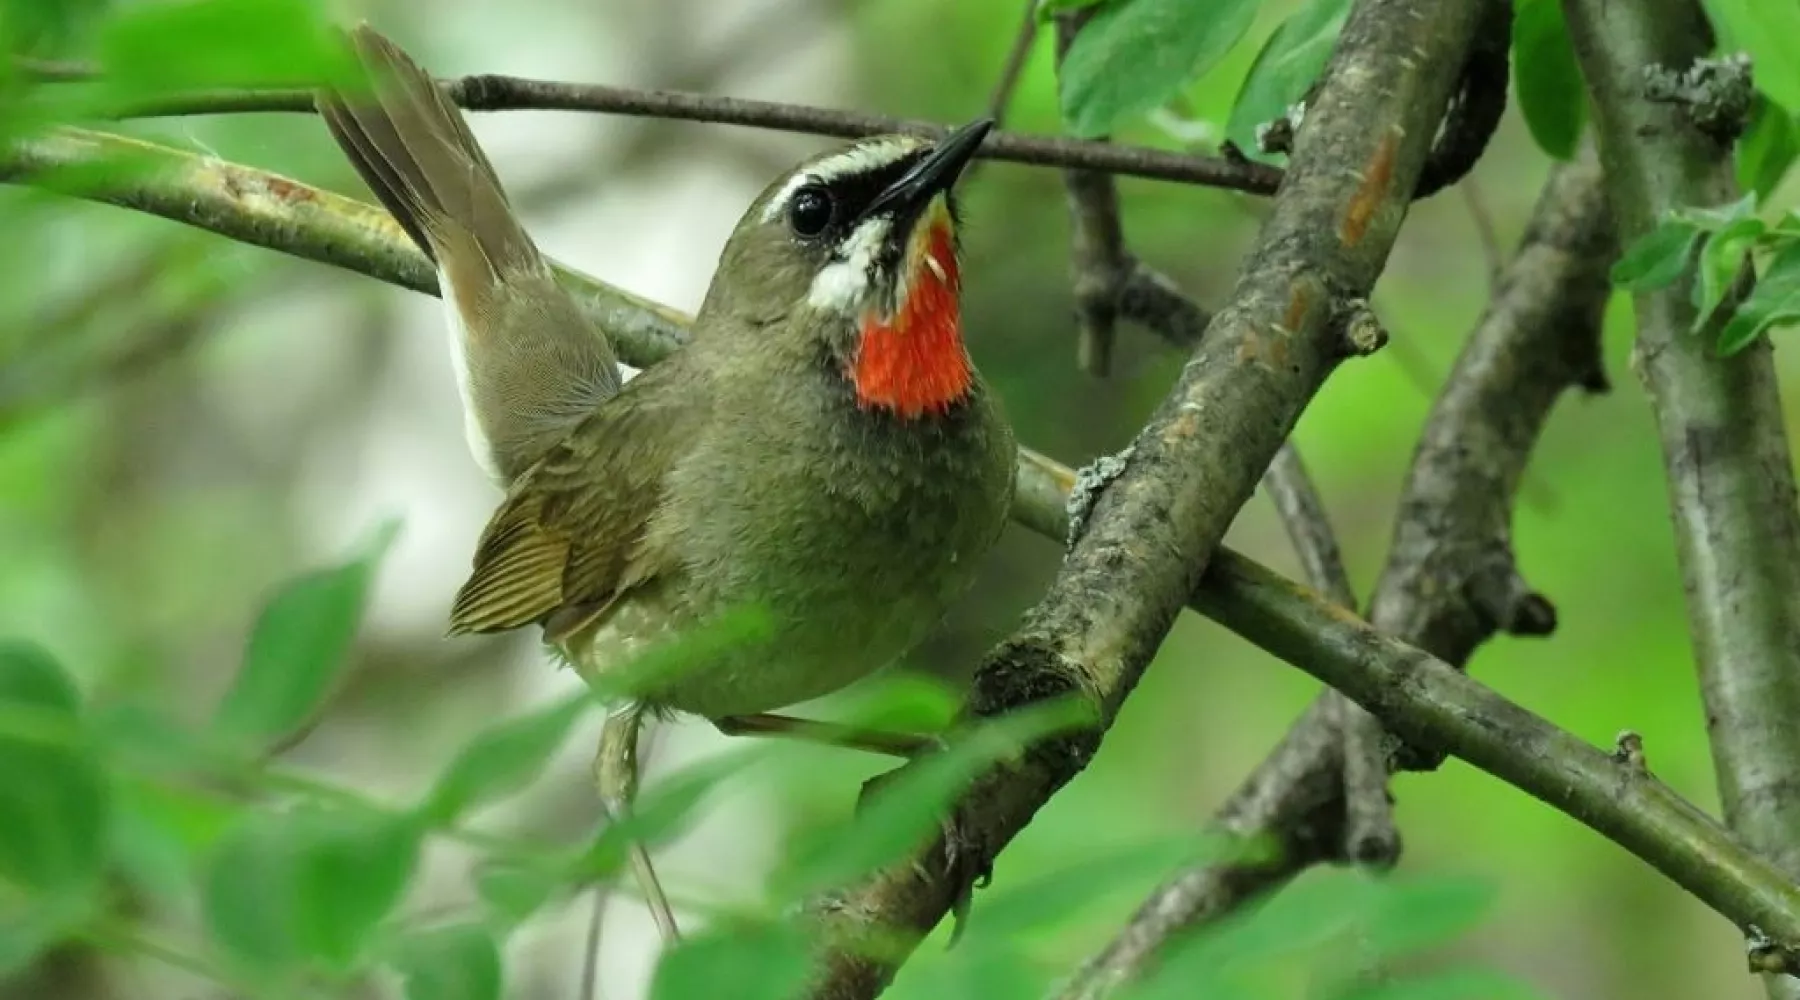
(571, 531)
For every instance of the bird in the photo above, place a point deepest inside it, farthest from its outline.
(821, 457)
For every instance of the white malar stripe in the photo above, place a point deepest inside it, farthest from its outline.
(480, 448)
(841, 285)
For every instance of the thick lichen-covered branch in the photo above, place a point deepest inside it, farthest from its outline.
(1724, 440)
(1539, 336)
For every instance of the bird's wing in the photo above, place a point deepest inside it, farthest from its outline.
(571, 532)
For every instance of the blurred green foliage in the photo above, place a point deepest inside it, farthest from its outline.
(173, 636)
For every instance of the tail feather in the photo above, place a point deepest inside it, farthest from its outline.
(415, 151)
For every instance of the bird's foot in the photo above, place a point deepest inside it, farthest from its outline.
(967, 862)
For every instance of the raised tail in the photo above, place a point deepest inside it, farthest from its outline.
(529, 364)
(415, 151)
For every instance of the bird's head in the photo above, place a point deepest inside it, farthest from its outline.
(855, 252)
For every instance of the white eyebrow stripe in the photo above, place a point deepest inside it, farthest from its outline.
(855, 160)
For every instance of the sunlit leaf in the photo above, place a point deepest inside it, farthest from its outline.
(1720, 258)
(1547, 78)
(1658, 257)
(1133, 55)
(663, 809)
(744, 962)
(55, 801)
(1769, 30)
(1449, 984)
(307, 886)
(513, 892)
(353, 867)
(1007, 912)
(250, 895)
(908, 807)
(460, 962)
(502, 760)
(1767, 148)
(1414, 914)
(1290, 61)
(197, 44)
(1774, 301)
(1048, 9)
(298, 647)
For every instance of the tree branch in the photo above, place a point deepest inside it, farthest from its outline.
(494, 92)
(1540, 334)
(1725, 448)
(1159, 513)
(1098, 264)
(1369, 834)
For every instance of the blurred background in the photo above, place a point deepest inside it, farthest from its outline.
(174, 442)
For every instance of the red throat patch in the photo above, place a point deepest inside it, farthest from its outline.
(914, 363)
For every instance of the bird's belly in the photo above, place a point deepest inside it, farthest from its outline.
(797, 647)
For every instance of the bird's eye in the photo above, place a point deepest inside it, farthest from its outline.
(810, 211)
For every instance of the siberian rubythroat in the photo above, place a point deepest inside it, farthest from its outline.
(822, 450)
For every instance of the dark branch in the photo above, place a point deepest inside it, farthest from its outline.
(1539, 336)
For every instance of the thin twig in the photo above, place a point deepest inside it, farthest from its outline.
(1098, 263)
(493, 92)
(1000, 101)
(1370, 837)
(1485, 232)
(1014, 67)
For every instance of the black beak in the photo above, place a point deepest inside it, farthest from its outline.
(936, 172)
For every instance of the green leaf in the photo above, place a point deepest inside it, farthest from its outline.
(1720, 257)
(46, 27)
(1290, 60)
(298, 647)
(1658, 257)
(513, 892)
(502, 760)
(1547, 78)
(1069, 892)
(662, 809)
(55, 801)
(1774, 301)
(162, 830)
(249, 895)
(197, 44)
(309, 885)
(1048, 9)
(460, 962)
(1449, 984)
(354, 866)
(1133, 55)
(909, 804)
(1769, 30)
(1715, 216)
(754, 962)
(1412, 915)
(1767, 148)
